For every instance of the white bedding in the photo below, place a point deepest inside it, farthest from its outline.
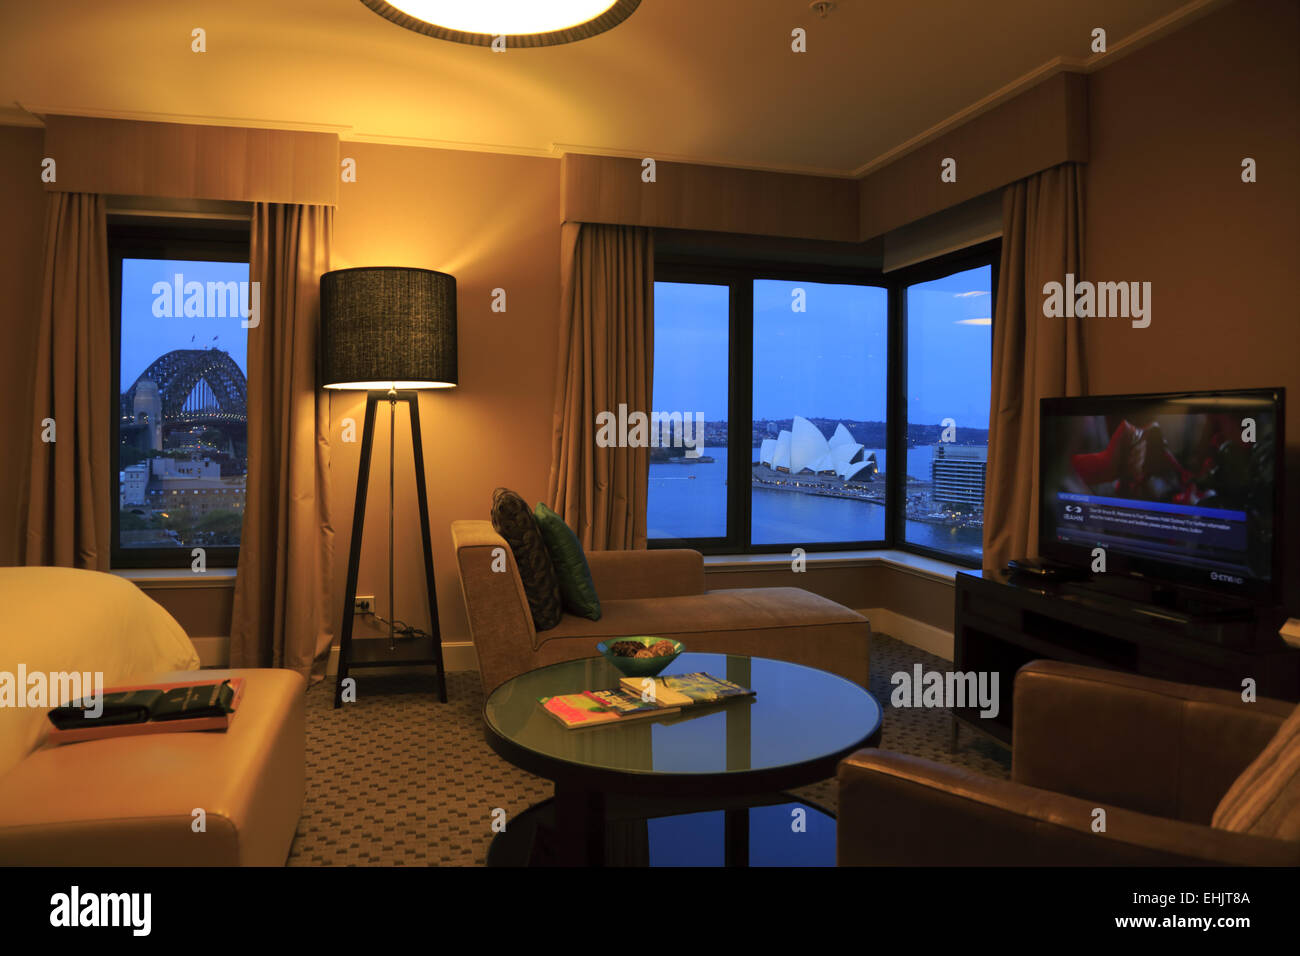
(62, 620)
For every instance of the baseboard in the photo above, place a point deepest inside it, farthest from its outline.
(456, 655)
(934, 640)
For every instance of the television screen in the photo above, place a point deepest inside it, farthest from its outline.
(1183, 488)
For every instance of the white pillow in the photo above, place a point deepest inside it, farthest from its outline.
(61, 620)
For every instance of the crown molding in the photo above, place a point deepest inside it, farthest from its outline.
(19, 115)
(423, 142)
(1061, 64)
(561, 149)
(187, 119)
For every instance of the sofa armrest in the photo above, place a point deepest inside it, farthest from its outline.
(1149, 745)
(500, 623)
(671, 572)
(896, 809)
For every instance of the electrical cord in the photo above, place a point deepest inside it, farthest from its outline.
(401, 630)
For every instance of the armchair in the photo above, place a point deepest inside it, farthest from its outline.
(1158, 757)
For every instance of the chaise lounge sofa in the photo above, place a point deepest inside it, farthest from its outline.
(649, 592)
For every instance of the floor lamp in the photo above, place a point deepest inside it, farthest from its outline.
(390, 332)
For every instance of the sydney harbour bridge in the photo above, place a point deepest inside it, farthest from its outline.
(194, 387)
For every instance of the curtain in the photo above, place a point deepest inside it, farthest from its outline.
(282, 609)
(1033, 356)
(68, 517)
(605, 359)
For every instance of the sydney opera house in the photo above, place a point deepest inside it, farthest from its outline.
(804, 449)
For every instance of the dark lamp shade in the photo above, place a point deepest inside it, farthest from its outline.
(383, 327)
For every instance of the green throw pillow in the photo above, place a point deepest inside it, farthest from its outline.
(577, 589)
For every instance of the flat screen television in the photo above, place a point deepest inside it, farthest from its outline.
(1181, 489)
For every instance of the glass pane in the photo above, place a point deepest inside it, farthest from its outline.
(183, 453)
(688, 476)
(818, 434)
(949, 374)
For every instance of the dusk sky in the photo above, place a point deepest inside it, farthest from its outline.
(145, 338)
(829, 361)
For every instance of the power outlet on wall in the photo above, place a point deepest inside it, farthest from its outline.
(364, 604)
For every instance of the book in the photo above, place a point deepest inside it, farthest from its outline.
(591, 708)
(626, 702)
(686, 690)
(148, 709)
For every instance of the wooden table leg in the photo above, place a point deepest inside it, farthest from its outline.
(736, 828)
(580, 827)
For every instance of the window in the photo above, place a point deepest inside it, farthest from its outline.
(688, 485)
(181, 299)
(949, 345)
(836, 373)
(820, 387)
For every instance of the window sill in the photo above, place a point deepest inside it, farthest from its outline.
(919, 565)
(178, 577)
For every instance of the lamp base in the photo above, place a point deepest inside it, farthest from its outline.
(408, 650)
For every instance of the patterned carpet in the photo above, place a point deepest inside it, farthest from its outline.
(397, 779)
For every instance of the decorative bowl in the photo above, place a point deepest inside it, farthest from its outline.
(640, 666)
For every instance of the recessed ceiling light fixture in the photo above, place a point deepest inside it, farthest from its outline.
(522, 23)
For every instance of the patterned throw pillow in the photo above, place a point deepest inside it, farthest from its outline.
(514, 521)
(577, 589)
(1265, 799)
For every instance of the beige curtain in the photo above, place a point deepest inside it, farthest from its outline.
(606, 358)
(1033, 356)
(283, 612)
(68, 517)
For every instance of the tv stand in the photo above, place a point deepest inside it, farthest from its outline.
(1003, 622)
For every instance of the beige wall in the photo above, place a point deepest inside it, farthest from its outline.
(492, 222)
(1166, 205)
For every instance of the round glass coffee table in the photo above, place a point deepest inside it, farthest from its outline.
(731, 757)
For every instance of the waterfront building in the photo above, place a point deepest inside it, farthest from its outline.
(805, 449)
(957, 473)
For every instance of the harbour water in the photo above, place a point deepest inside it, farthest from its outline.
(690, 501)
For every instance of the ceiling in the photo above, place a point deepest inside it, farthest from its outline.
(710, 81)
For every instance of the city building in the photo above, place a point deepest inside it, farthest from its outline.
(957, 472)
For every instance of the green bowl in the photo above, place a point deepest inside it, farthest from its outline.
(640, 666)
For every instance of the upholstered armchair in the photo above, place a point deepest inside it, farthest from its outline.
(1185, 775)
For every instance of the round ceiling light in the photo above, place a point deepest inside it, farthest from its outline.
(523, 23)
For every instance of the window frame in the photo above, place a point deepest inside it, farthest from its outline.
(738, 275)
(205, 240)
(971, 257)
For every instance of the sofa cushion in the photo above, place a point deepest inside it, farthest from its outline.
(736, 610)
(577, 590)
(67, 620)
(1265, 799)
(786, 624)
(514, 521)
